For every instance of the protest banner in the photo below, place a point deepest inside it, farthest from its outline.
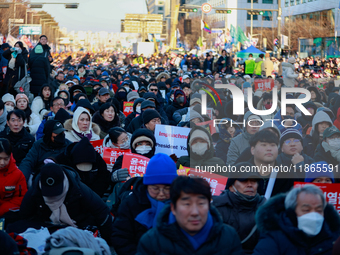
(210, 113)
(98, 146)
(331, 192)
(171, 140)
(183, 170)
(136, 164)
(127, 108)
(264, 84)
(110, 155)
(337, 83)
(217, 182)
(208, 125)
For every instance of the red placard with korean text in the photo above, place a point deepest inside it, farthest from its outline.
(331, 192)
(264, 84)
(208, 125)
(127, 108)
(98, 146)
(136, 164)
(110, 155)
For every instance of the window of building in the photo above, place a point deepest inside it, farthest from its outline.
(255, 17)
(303, 1)
(286, 3)
(267, 16)
(160, 2)
(254, 1)
(267, 1)
(297, 2)
(160, 8)
(310, 0)
(292, 2)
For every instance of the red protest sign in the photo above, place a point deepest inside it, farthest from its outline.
(98, 146)
(264, 84)
(110, 155)
(217, 182)
(331, 192)
(127, 108)
(208, 125)
(136, 164)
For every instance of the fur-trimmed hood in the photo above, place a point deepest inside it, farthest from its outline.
(162, 74)
(95, 128)
(270, 217)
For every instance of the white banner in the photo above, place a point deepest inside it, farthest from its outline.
(171, 140)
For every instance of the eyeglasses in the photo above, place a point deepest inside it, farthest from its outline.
(157, 190)
(295, 141)
(154, 90)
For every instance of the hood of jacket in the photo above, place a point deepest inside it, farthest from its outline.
(319, 117)
(223, 132)
(11, 167)
(286, 65)
(246, 117)
(147, 133)
(257, 60)
(273, 216)
(209, 153)
(68, 126)
(137, 101)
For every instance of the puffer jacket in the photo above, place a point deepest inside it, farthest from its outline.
(73, 137)
(288, 74)
(12, 187)
(280, 235)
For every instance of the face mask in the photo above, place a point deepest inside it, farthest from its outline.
(85, 167)
(199, 148)
(141, 94)
(180, 100)
(232, 81)
(125, 146)
(334, 143)
(127, 89)
(17, 48)
(310, 223)
(138, 109)
(60, 139)
(88, 90)
(144, 149)
(122, 94)
(9, 108)
(268, 106)
(243, 197)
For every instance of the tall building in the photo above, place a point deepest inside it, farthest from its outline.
(156, 6)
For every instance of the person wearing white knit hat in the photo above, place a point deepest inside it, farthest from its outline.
(9, 101)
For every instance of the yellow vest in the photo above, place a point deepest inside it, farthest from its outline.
(258, 68)
(250, 66)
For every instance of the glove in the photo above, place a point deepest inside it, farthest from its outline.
(120, 175)
(109, 167)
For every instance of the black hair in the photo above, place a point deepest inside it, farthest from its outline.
(19, 113)
(27, 111)
(264, 136)
(250, 55)
(5, 146)
(114, 133)
(189, 185)
(57, 98)
(261, 55)
(280, 80)
(107, 106)
(21, 45)
(42, 36)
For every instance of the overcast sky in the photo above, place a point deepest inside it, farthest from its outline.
(95, 15)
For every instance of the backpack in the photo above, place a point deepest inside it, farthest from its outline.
(119, 193)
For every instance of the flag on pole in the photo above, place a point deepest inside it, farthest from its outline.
(241, 37)
(205, 26)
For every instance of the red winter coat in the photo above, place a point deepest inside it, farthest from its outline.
(12, 187)
(337, 120)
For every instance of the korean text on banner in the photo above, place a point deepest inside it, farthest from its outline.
(208, 125)
(136, 164)
(217, 182)
(171, 140)
(127, 108)
(110, 155)
(98, 146)
(264, 84)
(331, 192)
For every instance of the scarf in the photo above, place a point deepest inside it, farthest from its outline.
(148, 218)
(11, 63)
(198, 239)
(56, 204)
(81, 135)
(335, 154)
(81, 75)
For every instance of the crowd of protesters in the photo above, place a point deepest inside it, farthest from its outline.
(53, 177)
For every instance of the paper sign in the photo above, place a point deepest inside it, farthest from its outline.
(98, 146)
(127, 108)
(110, 155)
(264, 84)
(217, 182)
(331, 192)
(136, 164)
(337, 83)
(208, 125)
(210, 113)
(171, 140)
(183, 170)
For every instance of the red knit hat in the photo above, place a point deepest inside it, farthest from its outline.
(21, 96)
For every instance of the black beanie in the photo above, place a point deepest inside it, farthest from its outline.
(150, 114)
(62, 115)
(241, 175)
(83, 152)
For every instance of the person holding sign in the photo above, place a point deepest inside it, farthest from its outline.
(106, 118)
(300, 222)
(138, 212)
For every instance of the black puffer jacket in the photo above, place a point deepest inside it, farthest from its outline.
(240, 215)
(21, 143)
(132, 115)
(83, 206)
(169, 239)
(104, 125)
(281, 236)
(126, 230)
(322, 155)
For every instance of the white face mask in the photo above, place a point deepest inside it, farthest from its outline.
(144, 149)
(232, 81)
(138, 109)
(84, 166)
(334, 143)
(125, 146)
(310, 223)
(9, 108)
(199, 148)
(17, 48)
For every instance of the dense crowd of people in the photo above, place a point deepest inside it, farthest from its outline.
(53, 176)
